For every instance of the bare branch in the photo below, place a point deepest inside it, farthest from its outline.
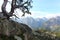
(4, 7)
(5, 13)
(23, 8)
(13, 7)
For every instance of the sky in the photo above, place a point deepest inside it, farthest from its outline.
(47, 8)
(41, 8)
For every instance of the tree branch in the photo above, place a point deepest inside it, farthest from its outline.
(12, 7)
(24, 8)
(4, 7)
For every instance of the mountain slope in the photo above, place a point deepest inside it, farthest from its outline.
(34, 23)
(53, 24)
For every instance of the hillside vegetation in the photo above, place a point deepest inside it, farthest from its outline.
(10, 28)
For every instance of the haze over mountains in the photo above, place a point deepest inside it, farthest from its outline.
(52, 24)
(34, 23)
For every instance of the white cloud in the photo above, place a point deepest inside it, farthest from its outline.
(9, 0)
(44, 14)
(52, 15)
(38, 14)
(8, 7)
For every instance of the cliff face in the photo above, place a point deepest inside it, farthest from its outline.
(9, 28)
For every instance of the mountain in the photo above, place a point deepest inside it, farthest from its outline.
(34, 23)
(53, 24)
(12, 30)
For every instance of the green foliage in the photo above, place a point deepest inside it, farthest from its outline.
(57, 34)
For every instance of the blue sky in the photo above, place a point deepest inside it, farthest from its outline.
(46, 5)
(43, 8)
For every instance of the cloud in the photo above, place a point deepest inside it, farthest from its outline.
(41, 14)
(38, 14)
(52, 15)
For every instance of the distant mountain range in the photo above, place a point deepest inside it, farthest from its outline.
(52, 24)
(34, 23)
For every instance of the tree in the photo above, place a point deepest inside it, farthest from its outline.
(7, 27)
(23, 6)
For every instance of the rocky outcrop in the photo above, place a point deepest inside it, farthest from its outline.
(10, 28)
